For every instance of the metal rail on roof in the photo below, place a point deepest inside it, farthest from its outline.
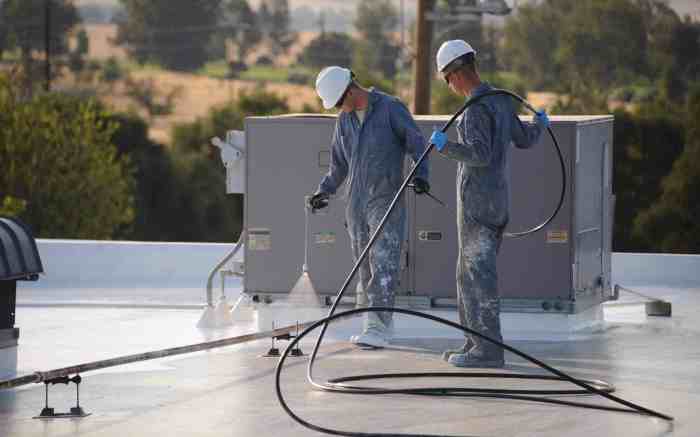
(39, 377)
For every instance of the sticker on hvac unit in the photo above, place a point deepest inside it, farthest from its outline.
(324, 237)
(259, 239)
(554, 237)
(429, 235)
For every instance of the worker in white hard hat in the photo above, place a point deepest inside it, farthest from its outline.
(485, 132)
(373, 134)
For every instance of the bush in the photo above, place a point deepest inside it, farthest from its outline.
(111, 71)
(328, 49)
(261, 102)
(264, 61)
(59, 167)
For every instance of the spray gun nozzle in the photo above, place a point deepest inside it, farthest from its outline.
(427, 193)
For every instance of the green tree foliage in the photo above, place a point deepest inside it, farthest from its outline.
(587, 47)
(241, 27)
(672, 223)
(444, 101)
(376, 51)
(366, 75)
(178, 196)
(58, 162)
(76, 59)
(329, 48)
(275, 18)
(194, 137)
(531, 40)
(602, 43)
(645, 148)
(22, 28)
(3, 33)
(23, 25)
(112, 71)
(12, 207)
(211, 215)
(172, 33)
(677, 58)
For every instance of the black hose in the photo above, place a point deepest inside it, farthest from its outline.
(562, 167)
(592, 387)
(589, 387)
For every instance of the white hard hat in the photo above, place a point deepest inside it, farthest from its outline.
(451, 50)
(331, 84)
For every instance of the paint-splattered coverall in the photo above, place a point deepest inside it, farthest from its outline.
(485, 132)
(370, 155)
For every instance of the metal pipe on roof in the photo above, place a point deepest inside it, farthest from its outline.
(38, 377)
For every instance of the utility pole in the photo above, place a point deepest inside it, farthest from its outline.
(322, 22)
(47, 42)
(402, 23)
(421, 66)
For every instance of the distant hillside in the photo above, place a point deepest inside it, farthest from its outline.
(339, 14)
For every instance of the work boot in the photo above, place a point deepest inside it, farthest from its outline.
(370, 338)
(374, 333)
(476, 357)
(460, 350)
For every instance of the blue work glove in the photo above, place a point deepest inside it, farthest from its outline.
(540, 118)
(439, 139)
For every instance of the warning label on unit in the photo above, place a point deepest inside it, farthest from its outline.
(430, 235)
(557, 236)
(259, 239)
(324, 237)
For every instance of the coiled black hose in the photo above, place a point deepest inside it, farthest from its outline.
(339, 385)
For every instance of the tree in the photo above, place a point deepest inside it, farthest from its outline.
(241, 27)
(588, 49)
(531, 40)
(375, 22)
(275, 19)
(677, 54)
(112, 71)
(328, 49)
(194, 137)
(207, 213)
(76, 58)
(672, 223)
(12, 207)
(3, 32)
(645, 148)
(22, 27)
(58, 163)
(161, 211)
(173, 33)
(603, 43)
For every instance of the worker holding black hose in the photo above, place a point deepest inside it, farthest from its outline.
(372, 137)
(485, 133)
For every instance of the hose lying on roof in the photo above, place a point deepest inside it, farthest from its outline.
(339, 385)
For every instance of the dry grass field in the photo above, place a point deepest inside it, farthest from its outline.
(198, 93)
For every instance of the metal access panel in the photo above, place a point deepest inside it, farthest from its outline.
(563, 268)
(286, 158)
(566, 266)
